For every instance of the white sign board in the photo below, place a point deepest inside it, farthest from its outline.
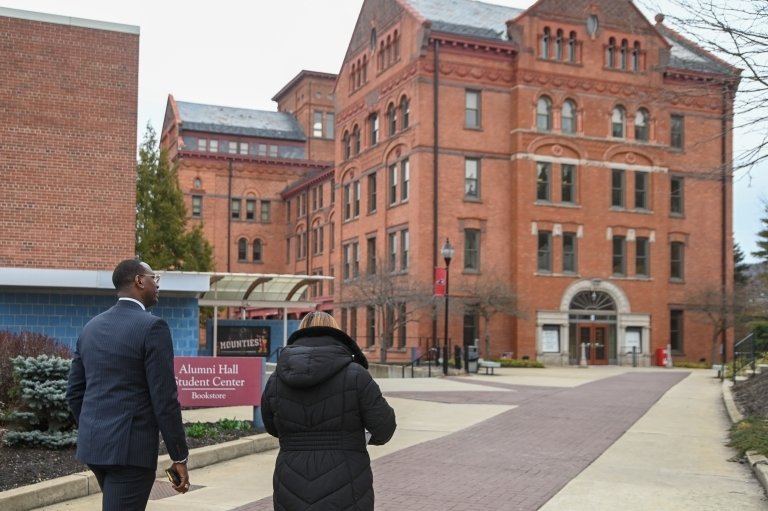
(550, 340)
(632, 339)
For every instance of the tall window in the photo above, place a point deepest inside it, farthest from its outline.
(242, 249)
(471, 178)
(545, 42)
(676, 330)
(392, 251)
(347, 141)
(347, 201)
(677, 128)
(393, 184)
(355, 259)
(371, 193)
(642, 257)
(330, 125)
(197, 206)
(257, 251)
(676, 195)
(405, 180)
(250, 209)
(619, 266)
(353, 322)
(544, 114)
(405, 111)
(356, 199)
(405, 246)
(373, 124)
(392, 119)
(568, 183)
(610, 53)
(676, 266)
(402, 322)
(370, 326)
(317, 124)
(624, 53)
(559, 45)
(356, 137)
(617, 188)
(266, 211)
(472, 249)
(641, 125)
(636, 57)
(569, 252)
(371, 255)
(618, 122)
(641, 190)
(572, 48)
(235, 209)
(544, 251)
(543, 179)
(568, 117)
(472, 109)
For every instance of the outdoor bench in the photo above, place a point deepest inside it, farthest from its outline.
(488, 365)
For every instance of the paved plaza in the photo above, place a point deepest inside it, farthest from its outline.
(600, 438)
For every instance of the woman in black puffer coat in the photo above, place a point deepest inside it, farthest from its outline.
(322, 404)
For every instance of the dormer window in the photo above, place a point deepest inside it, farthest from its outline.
(593, 24)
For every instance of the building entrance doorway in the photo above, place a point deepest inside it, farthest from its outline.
(594, 339)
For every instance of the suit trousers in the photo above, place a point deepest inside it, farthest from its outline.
(123, 487)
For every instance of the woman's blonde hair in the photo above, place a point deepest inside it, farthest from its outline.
(318, 318)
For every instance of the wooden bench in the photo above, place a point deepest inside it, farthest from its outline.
(488, 365)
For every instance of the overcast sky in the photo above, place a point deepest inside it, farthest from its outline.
(240, 54)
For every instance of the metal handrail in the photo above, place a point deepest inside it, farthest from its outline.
(746, 352)
(413, 363)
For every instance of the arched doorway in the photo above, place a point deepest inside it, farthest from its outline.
(592, 319)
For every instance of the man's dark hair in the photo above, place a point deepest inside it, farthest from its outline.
(126, 271)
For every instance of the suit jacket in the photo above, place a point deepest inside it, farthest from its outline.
(122, 389)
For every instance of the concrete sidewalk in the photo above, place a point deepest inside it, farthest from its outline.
(553, 439)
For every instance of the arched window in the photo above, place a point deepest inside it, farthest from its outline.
(559, 45)
(380, 57)
(545, 44)
(365, 69)
(544, 114)
(568, 117)
(347, 145)
(636, 57)
(388, 58)
(257, 251)
(356, 137)
(572, 48)
(641, 125)
(392, 119)
(405, 111)
(373, 39)
(610, 53)
(242, 249)
(624, 53)
(353, 77)
(618, 122)
(396, 46)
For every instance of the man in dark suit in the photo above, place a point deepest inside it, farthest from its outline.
(122, 391)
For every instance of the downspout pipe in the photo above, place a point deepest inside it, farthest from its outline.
(435, 148)
(229, 219)
(726, 95)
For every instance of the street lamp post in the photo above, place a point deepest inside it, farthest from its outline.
(447, 252)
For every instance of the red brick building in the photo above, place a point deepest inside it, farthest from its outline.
(575, 154)
(68, 134)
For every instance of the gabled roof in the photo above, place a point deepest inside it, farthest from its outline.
(465, 17)
(239, 121)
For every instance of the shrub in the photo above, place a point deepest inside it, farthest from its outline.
(44, 418)
(200, 430)
(23, 344)
(516, 362)
(233, 425)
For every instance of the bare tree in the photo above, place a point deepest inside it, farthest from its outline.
(737, 32)
(488, 296)
(720, 308)
(396, 298)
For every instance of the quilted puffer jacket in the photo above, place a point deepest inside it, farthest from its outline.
(318, 403)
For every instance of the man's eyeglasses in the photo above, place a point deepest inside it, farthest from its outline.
(155, 277)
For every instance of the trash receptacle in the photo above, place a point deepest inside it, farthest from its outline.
(661, 357)
(472, 356)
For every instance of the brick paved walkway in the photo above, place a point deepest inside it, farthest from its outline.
(517, 460)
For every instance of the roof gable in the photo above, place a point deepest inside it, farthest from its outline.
(465, 17)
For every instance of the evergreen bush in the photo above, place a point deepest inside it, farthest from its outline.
(23, 344)
(43, 419)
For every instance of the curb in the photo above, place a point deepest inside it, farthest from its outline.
(757, 462)
(83, 484)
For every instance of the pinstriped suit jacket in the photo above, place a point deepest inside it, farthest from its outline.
(122, 390)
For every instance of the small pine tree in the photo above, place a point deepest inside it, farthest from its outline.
(740, 268)
(44, 417)
(162, 238)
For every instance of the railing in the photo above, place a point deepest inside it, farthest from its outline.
(747, 352)
(431, 358)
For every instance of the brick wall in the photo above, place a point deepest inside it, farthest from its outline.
(68, 137)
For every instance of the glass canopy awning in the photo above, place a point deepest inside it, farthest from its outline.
(259, 290)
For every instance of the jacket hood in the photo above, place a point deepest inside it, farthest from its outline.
(313, 355)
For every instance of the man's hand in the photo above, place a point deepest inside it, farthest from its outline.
(181, 469)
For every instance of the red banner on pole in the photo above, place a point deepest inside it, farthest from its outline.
(439, 281)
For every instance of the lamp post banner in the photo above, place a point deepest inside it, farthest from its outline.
(439, 281)
(219, 381)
